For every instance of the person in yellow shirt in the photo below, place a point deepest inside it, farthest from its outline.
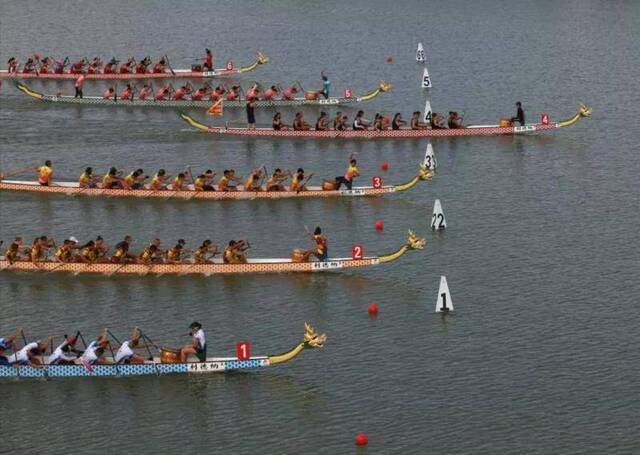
(87, 179)
(179, 183)
(352, 172)
(158, 180)
(226, 182)
(254, 181)
(134, 180)
(298, 181)
(112, 180)
(45, 173)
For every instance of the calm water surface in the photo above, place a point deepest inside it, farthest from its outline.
(541, 253)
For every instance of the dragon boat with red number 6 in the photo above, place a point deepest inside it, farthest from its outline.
(205, 104)
(168, 362)
(327, 190)
(297, 263)
(194, 73)
(404, 133)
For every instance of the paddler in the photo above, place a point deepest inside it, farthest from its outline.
(112, 180)
(141, 67)
(6, 344)
(182, 91)
(128, 66)
(88, 253)
(158, 180)
(416, 124)
(203, 181)
(360, 123)
(207, 248)
(94, 66)
(127, 92)
(454, 121)
(164, 92)
(125, 354)
(234, 93)
(109, 94)
(29, 66)
(199, 94)
(352, 172)
(208, 60)
(110, 68)
(254, 181)
(159, 67)
(217, 93)
(397, 122)
(174, 255)
(270, 93)
(253, 93)
(101, 249)
(322, 124)
(28, 355)
(45, 173)
(226, 181)
(13, 253)
(144, 92)
(45, 65)
(290, 93)
(39, 249)
(94, 352)
(321, 250)
(66, 352)
(234, 253)
(338, 125)
(65, 251)
(299, 124)
(179, 182)
(519, 114)
(198, 346)
(12, 65)
(297, 181)
(121, 253)
(78, 67)
(134, 180)
(277, 123)
(275, 183)
(151, 253)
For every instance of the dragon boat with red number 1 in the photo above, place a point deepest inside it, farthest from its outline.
(402, 133)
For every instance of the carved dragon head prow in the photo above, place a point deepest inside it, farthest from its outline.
(313, 339)
(585, 111)
(415, 243)
(385, 86)
(424, 173)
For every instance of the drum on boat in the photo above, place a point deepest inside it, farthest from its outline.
(329, 185)
(169, 355)
(505, 123)
(311, 95)
(298, 256)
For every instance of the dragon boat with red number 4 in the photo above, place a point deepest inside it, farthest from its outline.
(298, 262)
(403, 133)
(196, 72)
(202, 103)
(326, 190)
(167, 363)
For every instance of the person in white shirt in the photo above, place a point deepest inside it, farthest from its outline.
(198, 346)
(28, 354)
(125, 353)
(95, 350)
(64, 353)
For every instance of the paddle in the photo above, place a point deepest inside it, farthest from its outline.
(111, 350)
(12, 173)
(299, 85)
(304, 183)
(169, 65)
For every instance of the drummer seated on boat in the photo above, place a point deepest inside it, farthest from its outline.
(66, 352)
(226, 182)
(204, 253)
(360, 123)
(112, 180)
(28, 355)
(121, 253)
(134, 180)
(65, 251)
(234, 253)
(174, 255)
(290, 93)
(297, 181)
(198, 346)
(270, 93)
(275, 183)
(254, 181)
(14, 252)
(182, 91)
(416, 124)
(94, 353)
(322, 124)
(45, 173)
(158, 180)
(277, 123)
(125, 354)
(299, 124)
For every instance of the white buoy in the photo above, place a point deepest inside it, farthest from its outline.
(427, 112)
(429, 158)
(437, 219)
(426, 79)
(444, 303)
(420, 53)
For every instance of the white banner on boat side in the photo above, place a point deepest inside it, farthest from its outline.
(326, 265)
(206, 367)
(329, 101)
(354, 192)
(524, 129)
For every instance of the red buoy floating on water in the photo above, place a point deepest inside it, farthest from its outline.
(362, 439)
(384, 166)
(379, 225)
(389, 59)
(373, 309)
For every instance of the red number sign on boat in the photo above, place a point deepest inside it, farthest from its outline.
(347, 93)
(229, 65)
(544, 119)
(243, 350)
(376, 182)
(357, 252)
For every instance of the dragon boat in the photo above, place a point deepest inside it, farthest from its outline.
(300, 101)
(175, 74)
(166, 364)
(471, 130)
(217, 267)
(73, 189)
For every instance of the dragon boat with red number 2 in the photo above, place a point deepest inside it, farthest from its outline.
(403, 133)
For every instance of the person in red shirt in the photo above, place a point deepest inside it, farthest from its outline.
(94, 66)
(110, 68)
(78, 67)
(234, 93)
(159, 67)
(127, 93)
(164, 92)
(253, 93)
(217, 93)
(199, 94)
(270, 93)
(208, 60)
(45, 63)
(110, 93)
(289, 93)
(182, 91)
(141, 67)
(144, 92)
(128, 66)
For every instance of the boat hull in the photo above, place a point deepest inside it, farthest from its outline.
(212, 365)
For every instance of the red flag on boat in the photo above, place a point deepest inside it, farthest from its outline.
(216, 109)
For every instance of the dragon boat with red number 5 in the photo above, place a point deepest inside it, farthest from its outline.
(37, 364)
(505, 128)
(48, 68)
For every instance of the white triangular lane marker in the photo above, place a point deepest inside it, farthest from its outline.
(426, 79)
(427, 112)
(437, 219)
(420, 53)
(430, 158)
(444, 303)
